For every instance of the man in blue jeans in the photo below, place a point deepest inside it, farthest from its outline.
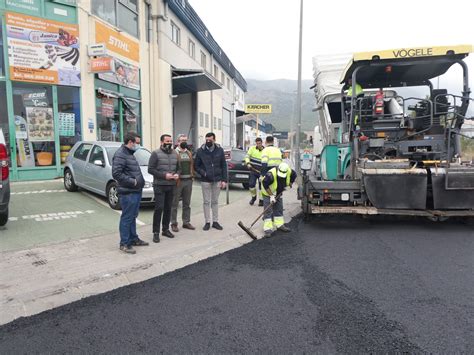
(126, 171)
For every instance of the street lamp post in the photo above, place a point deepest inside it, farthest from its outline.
(298, 99)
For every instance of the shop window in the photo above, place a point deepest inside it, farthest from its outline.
(69, 119)
(120, 13)
(82, 152)
(4, 115)
(108, 118)
(34, 125)
(131, 116)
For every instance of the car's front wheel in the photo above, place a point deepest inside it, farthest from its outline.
(245, 185)
(113, 196)
(69, 183)
(4, 218)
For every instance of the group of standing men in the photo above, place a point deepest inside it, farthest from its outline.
(173, 171)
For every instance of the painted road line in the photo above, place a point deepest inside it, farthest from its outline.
(46, 217)
(103, 203)
(31, 182)
(37, 192)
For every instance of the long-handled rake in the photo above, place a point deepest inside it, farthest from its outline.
(248, 230)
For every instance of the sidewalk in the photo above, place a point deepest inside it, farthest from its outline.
(41, 278)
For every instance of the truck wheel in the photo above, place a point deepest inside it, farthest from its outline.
(4, 218)
(69, 183)
(113, 196)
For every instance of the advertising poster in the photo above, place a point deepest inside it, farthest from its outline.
(40, 124)
(107, 107)
(125, 74)
(67, 124)
(42, 51)
(26, 156)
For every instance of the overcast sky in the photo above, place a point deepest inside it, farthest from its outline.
(261, 36)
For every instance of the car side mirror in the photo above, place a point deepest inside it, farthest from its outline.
(99, 163)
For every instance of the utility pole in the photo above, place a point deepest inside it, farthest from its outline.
(298, 99)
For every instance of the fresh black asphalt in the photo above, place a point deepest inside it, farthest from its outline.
(334, 285)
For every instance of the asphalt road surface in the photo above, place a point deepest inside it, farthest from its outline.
(331, 286)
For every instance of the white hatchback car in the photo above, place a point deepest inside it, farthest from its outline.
(89, 166)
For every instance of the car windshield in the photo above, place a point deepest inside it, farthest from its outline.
(238, 155)
(142, 155)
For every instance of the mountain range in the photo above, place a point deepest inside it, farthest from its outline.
(281, 94)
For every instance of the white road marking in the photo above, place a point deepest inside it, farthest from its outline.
(45, 217)
(103, 203)
(37, 192)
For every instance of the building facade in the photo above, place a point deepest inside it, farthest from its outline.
(75, 70)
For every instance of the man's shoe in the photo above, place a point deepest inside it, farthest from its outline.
(252, 200)
(284, 228)
(268, 234)
(127, 249)
(139, 243)
(260, 203)
(206, 226)
(168, 234)
(189, 226)
(217, 226)
(156, 237)
(174, 228)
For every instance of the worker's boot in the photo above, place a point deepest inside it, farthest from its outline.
(268, 234)
(260, 203)
(252, 200)
(284, 228)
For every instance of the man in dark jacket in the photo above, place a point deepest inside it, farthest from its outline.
(211, 165)
(164, 167)
(126, 171)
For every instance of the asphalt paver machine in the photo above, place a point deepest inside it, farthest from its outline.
(389, 138)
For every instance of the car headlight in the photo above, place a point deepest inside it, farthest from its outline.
(148, 185)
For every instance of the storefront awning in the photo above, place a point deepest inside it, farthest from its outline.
(194, 82)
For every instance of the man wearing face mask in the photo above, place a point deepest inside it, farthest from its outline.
(184, 188)
(164, 166)
(126, 171)
(210, 163)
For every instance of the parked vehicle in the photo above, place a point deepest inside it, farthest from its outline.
(4, 181)
(238, 172)
(89, 166)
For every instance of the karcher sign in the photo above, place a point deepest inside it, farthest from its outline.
(258, 108)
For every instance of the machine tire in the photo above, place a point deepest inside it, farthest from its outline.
(4, 218)
(69, 183)
(112, 196)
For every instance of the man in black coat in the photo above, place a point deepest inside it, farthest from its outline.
(210, 163)
(164, 166)
(126, 171)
